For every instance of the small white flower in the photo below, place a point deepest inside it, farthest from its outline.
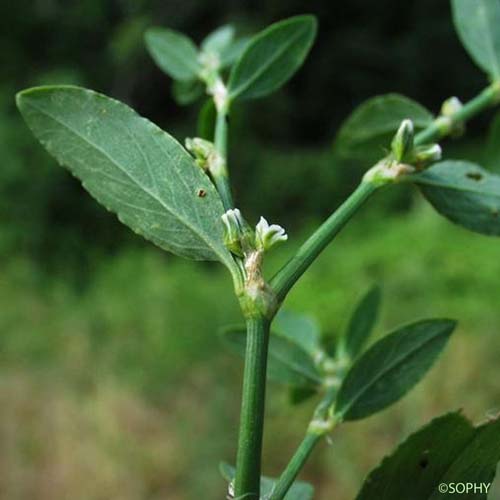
(268, 235)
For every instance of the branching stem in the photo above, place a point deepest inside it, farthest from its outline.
(287, 276)
(322, 423)
(284, 280)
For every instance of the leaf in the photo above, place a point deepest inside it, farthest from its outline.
(219, 40)
(361, 323)
(131, 166)
(206, 120)
(187, 91)
(478, 26)
(287, 363)
(233, 52)
(272, 57)
(464, 193)
(369, 129)
(391, 367)
(300, 490)
(492, 159)
(300, 329)
(174, 53)
(448, 450)
(298, 395)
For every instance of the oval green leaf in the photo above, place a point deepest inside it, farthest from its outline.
(300, 329)
(233, 52)
(272, 57)
(465, 193)
(478, 26)
(173, 52)
(287, 363)
(219, 40)
(370, 128)
(131, 166)
(447, 450)
(391, 367)
(361, 324)
(300, 490)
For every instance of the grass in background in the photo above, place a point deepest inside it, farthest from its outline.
(117, 389)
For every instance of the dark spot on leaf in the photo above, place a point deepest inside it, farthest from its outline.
(475, 176)
(201, 193)
(495, 212)
(424, 461)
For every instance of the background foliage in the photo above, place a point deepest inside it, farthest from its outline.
(112, 383)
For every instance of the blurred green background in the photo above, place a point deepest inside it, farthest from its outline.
(113, 383)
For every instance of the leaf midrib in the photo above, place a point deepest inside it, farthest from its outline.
(384, 372)
(121, 169)
(443, 185)
(264, 67)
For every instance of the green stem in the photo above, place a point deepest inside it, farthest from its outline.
(288, 275)
(284, 280)
(295, 465)
(441, 127)
(248, 462)
(220, 177)
(304, 450)
(308, 252)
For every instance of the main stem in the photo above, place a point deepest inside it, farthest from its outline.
(221, 178)
(248, 462)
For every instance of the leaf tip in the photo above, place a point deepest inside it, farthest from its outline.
(448, 325)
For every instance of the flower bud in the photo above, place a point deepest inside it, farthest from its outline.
(428, 154)
(402, 143)
(268, 235)
(237, 232)
(451, 106)
(202, 151)
(448, 110)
